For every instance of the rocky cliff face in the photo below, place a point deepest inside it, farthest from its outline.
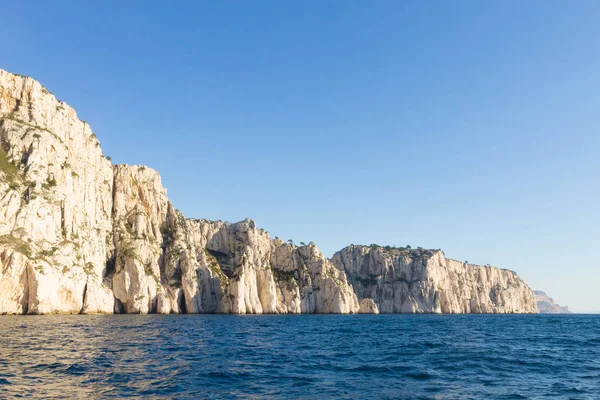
(237, 268)
(546, 305)
(79, 235)
(55, 205)
(425, 281)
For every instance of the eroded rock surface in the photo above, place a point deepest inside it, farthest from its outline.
(79, 235)
(55, 202)
(425, 281)
(368, 306)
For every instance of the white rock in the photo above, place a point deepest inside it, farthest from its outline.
(368, 306)
(98, 298)
(425, 281)
(14, 288)
(78, 235)
(57, 196)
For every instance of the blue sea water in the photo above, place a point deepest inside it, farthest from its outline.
(306, 356)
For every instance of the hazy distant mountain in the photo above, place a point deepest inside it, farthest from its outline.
(547, 306)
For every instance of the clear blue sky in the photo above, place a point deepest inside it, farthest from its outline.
(467, 126)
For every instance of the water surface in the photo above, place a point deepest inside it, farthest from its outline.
(307, 356)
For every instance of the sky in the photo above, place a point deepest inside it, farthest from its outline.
(469, 126)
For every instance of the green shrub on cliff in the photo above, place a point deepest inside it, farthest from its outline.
(16, 244)
(10, 171)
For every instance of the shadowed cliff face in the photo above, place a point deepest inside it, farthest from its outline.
(79, 235)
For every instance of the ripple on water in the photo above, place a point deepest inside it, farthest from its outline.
(359, 356)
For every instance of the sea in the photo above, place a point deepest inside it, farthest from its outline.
(300, 357)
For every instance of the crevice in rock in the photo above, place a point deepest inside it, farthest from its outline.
(25, 157)
(119, 308)
(224, 263)
(110, 266)
(17, 105)
(181, 303)
(26, 291)
(85, 288)
(153, 304)
(62, 219)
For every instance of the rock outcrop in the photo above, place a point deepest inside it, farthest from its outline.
(79, 235)
(402, 280)
(546, 305)
(368, 306)
(237, 268)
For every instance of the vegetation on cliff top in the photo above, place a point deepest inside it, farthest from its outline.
(402, 251)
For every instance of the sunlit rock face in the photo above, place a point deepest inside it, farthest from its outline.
(402, 280)
(56, 202)
(238, 268)
(79, 235)
(368, 306)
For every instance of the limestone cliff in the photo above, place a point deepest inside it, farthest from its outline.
(402, 280)
(237, 268)
(79, 235)
(55, 204)
(546, 304)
